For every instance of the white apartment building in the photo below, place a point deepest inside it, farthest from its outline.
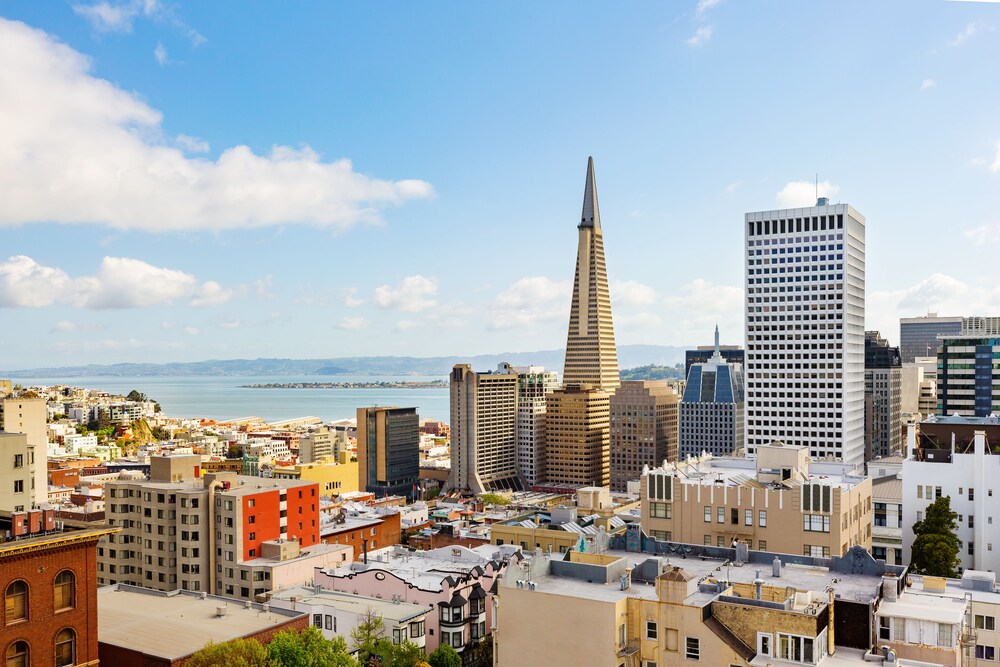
(971, 480)
(805, 314)
(533, 384)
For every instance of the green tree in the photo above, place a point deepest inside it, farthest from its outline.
(137, 396)
(235, 653)
(432, 493)
(406, 654)
(494, 499)
(366, 636)
(935, 541)
(308, 649)
(445, 656)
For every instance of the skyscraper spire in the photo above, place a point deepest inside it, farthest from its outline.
(591, 356)
(591, 216)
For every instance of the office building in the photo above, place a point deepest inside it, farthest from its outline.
(951, 456)
(483, 430)
(805, 314)
(883, 397)
(577, 436)
(389, 451)
(731, 354)
(49, 585)
(711, 410)
(643, 429)
(779, 500)
(23, 480)
(918, 336)
(968, 382)
(577, 416)
(217, 533)
(534, 384)
(591, 355)
(318, 444)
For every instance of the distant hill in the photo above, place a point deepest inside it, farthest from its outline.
(629, 356)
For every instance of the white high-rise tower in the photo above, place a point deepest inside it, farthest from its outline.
(805, 320)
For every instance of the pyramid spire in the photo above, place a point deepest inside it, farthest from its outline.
(591, 356)
(591, 216)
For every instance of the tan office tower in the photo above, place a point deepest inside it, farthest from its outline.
(483, 430)
(644, 429)
(591, 356)
(577, 416)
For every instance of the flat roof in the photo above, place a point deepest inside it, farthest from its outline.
(176, 624)
(739, 471)
(389, 610)
(424, 569)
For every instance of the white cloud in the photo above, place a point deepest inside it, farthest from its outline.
(352, 323)
(939, 293)
(632, 293)
(120, 282)
(191, 144)
(106, 16)
(984, 234)
(927, 84)
(65, 326)
(733, 187)
(351, 299)
(995, 167)
(642, 322)
(803, 193)
(698, 307)
(406, 325)
(160, 53)
(705, 5)
(700, 36)
(192, 331)
(970, 30)
(230, 324)
(530, 301)
(80, 150)
(413, 294)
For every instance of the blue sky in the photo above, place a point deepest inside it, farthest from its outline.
(192, 181)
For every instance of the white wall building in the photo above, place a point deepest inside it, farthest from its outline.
(533, 384)
(972, 481)
(805, 314)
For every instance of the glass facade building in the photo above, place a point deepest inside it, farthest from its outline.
(969, 376)
(918, 336)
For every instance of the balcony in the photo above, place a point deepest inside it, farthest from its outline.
(631, 647)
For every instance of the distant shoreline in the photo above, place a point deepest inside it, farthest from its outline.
(433, 384)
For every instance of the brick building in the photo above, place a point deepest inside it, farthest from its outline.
(48, 574)
(354, 528)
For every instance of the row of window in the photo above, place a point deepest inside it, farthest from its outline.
(16, 596)
(18, 654)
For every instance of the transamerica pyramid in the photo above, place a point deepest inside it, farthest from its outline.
(591, 356)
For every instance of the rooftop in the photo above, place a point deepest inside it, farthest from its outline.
(176, 624)
(708, 470)
(390, 610)
(888, 488)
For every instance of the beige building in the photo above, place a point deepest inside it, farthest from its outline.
(23, 477)
(317, 444)
(484, 430)
(577, 426)
(558, 530)
(779, 501)
(716, 607)
(643, 429)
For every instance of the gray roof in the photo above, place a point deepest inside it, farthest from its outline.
(889, 488)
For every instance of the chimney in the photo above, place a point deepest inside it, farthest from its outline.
(890, 587)
(776, 567)
(757, 584)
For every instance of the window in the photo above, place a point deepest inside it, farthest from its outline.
(721, 515)
(453, 639)
(816, 523)
(17, 655)
(417, 629)
(16, 602)
(330, 622)
(18, 486)
(63, 586)
(18, 460)
(883, 628)
(985, 622)
(708, 514)
(660, 510)
(944, 637)
(65, 648)
(982, 652)
(397, 636)
(972, 493)
(478, 630)
(762, 545)
(650, 629)
(692, 648)
(795, 648)
(748, 517)
(763, 643)
(317, 618)
(762, 519)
